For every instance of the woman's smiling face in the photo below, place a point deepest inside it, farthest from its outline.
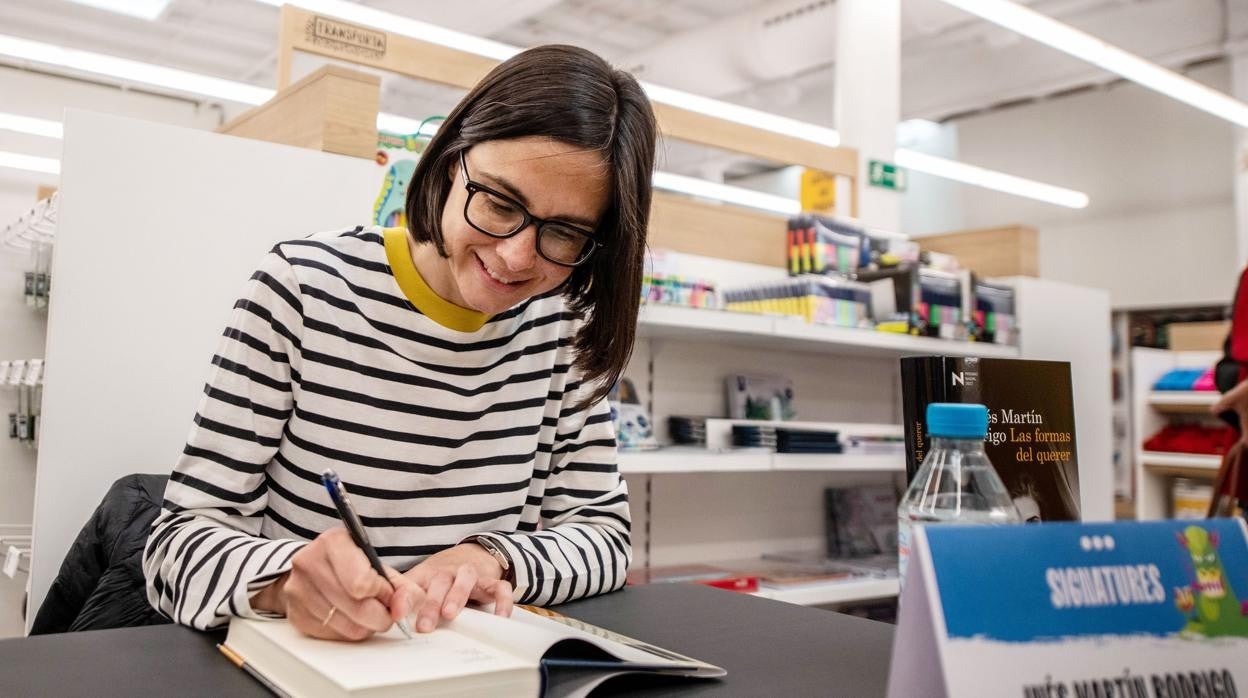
(553, 181)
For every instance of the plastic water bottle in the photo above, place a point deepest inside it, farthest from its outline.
(956, 482)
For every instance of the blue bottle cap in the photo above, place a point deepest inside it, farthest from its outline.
(952, 420)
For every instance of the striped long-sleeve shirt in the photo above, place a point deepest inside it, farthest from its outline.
(442, 423)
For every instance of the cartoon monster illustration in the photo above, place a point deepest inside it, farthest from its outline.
(1209, 603)
(388, 210)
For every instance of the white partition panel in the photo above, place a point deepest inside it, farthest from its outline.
(1063, 322)
(159, 228)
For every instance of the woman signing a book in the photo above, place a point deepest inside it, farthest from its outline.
(452, 372)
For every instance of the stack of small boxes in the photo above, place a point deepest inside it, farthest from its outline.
(823, 254)
(839, 274)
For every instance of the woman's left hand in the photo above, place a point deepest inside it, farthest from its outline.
(452, 578)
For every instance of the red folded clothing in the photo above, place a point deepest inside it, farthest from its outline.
(1192, 438)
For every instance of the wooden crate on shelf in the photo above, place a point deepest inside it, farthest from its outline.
(1198, 336)
(333, 109)
(1007, 251)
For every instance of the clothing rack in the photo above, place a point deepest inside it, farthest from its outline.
(15, 547)
(35, 233)
(34, 228)
(23, 423)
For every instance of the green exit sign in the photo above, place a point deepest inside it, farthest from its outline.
(887, 175)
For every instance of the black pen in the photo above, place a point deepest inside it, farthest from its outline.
(355, 527)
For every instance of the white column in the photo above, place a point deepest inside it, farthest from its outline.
(1237, 49)
(1239, 90)
(868, 97)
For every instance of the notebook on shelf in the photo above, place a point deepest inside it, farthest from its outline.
(536, 652)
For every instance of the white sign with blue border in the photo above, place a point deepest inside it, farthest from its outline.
(1070, 610)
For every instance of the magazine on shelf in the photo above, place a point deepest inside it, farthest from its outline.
(536, 652)
(634, 428)
(860, 521)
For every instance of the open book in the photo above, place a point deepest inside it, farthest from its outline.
(536, 652)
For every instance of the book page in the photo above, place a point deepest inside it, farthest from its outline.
(390, 658)
(538, 628)
(526, 640)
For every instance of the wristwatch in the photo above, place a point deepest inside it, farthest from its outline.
(495, 551)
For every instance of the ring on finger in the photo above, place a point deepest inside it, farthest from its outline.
(329, 616)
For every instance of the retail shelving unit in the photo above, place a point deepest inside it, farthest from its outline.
(1152, 410)
(694, 505)
(1158, 460)
(1182, 402)
(785, 333)
(683, 459)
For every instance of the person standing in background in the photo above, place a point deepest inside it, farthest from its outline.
(1231, 378)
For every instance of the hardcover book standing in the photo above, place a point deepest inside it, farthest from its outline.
(1031, 424)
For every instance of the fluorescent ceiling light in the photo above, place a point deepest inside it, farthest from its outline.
(401, 124)
(743, 115)
(1084, 46)
(33, 126)
(155, 75)
(133, 71)
(19, 161)
(970, 174)
(727, 193)
(143, 9)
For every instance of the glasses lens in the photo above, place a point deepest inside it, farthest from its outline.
(494, 215)
(563, 244)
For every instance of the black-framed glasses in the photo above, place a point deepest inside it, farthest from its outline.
(501, 216)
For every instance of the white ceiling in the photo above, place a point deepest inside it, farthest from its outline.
(776, 55)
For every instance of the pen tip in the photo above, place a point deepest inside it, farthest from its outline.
(406, 628)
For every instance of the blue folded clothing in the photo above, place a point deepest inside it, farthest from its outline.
(1179, 379)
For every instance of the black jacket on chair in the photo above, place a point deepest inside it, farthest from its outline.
(101, 583)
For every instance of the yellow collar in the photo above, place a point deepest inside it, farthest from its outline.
(433, 306)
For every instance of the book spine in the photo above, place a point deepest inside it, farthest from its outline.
(831, 530)
(792, 240)
(911, 423)
(808, 242)
(923, 381)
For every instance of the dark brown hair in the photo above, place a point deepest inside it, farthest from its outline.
(570, 95)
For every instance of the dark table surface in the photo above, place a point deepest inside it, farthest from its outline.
(769, 648)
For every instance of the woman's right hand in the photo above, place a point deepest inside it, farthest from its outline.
(331, 592)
